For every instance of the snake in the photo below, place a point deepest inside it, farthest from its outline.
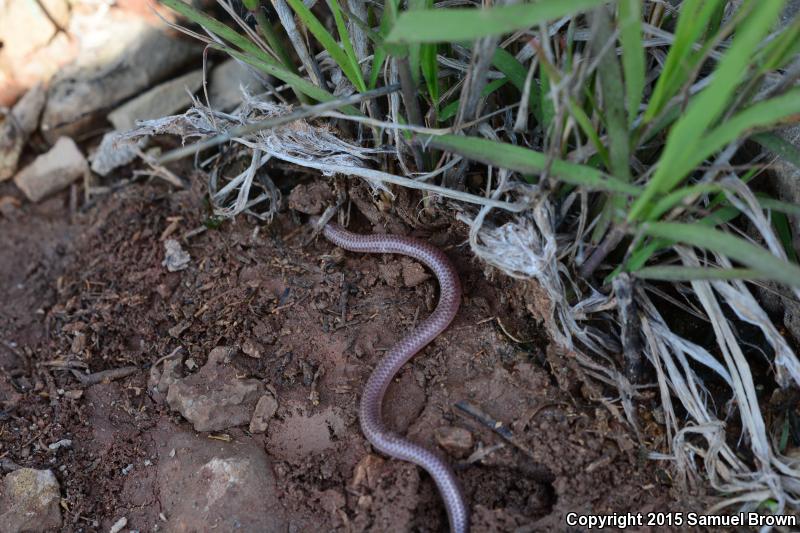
(370, 406)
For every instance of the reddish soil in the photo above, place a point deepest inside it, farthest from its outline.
(88, 292)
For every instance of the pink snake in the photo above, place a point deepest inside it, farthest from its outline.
(370, 408)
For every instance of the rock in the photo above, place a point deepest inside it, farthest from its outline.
(160, 381)
(214, 398)
(367, 472)
(456, 441)
(264, 411)
(413, 273)
(175, 257)
(53, 171)
(124, 57)
(17, 127)
(251, 349)
(118, 525)
(222, 486)
(26, 27)
(227, 81)
(114, 152)
(63, 443)
(160, 101)
(30, 501)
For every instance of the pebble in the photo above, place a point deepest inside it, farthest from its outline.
(17, 127)
(118, 525)
(160, 101)
(265, 409)
(52, 171)
(63, 443)
(29, 501)
(175, 257)
(456, 441)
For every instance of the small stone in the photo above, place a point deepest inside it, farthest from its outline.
(126, 470)
(118, 525)
(176, 330)
(63, 443)
(251, 349)
(413, 273)
(53, 171)
(228, 403)
(74, 394)
(78, 343)
(265, 409)
(190, 364)
(175, 257)
(114, 152)
(367, 471)
(456, 441)
(162, 100)
(17, 127)
(227, 81)
(29, 501)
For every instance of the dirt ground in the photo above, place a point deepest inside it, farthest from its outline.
(84, 292)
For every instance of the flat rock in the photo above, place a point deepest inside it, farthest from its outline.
(30, 501)
(52, 171)
(227, 81)
(265, 409)
(210, 485)
(214, 398)
(125, 57)
(162, 100)
(17, 127)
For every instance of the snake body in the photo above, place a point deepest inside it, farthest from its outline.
(370, 407)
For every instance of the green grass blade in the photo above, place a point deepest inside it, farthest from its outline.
(516, 74)
(344, 35)
(219, 29)
(644, 252)
(302, 85)
(327, 41)
(633, 58)
(787, 208)
(784, 232)
(251, 54)
(738, 249)
(466, 24)
(450, 110)
(585, 124)
(707, 106)
(672, 199)
(779, 146)
(762, 114)
(681, 273)
(388, 18)
(526, 161)
(609, 75)
(680, 62)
